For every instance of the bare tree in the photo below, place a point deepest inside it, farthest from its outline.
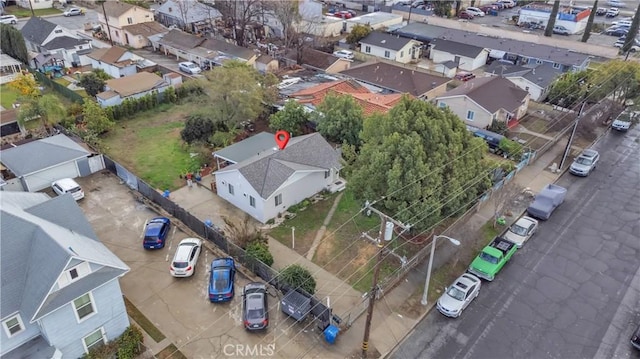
(239, 13)
(183, 7)
(288, 14)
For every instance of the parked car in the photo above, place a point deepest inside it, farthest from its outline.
(492, 258)
(601, 11)
(68, 185)
(464, 76)
(186, 257)
(616, 3)
(189, 67)
(635, 338)
(620, 23)
(418, 3)
(465, 15)
(8, 19)
(459, 295)
(620, 43)
(623, 122)
(585, 163)
(255, 310)
(345, 54)
(508, 3)
(487, 8)
(561, 30)
(523, 229)
(343, 14)
(613, 12)
(499, 5)
(222, 279)
(74, 11)
(617, 32)
(155, 233)
(475, 11)
(545, 202)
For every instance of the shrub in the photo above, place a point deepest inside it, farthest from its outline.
(511, 148)
(260, 251)
(126, 346)
(297, 276)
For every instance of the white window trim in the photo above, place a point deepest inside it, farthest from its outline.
(556, 65)
(252, 199)
(104, 338)
(6, 327)
(276, 199)
(472, 113)
(93, 305)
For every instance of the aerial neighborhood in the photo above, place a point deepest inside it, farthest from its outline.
(305, 178)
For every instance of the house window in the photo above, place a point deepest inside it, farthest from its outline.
(401, 54)
(13, 325)
(73, 273)
(94, 339)
(57, 31)
(279, 199)
(83, 306)
(367, 49)
(539, 62)
(116, 32)
(231, 192)
(252, 201)
(326, 174)
(470, 115)
(494, 117)
(129, 20)
(80, 47)
(442, 105)
(526, 88)
(556, 65)
(387, 54)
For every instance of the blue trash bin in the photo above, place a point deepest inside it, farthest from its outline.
(331, 333)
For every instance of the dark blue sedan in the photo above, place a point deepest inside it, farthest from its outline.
(155, 233)
(221, 279)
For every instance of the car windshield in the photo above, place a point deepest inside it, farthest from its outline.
(519, 230)
(489, 258)
(180, 264)
(220, 279)
(455, 293)
(584, 160)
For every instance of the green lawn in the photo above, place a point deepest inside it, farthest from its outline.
(62, 81)
(8, 96)
(149, 144)
(23, 12)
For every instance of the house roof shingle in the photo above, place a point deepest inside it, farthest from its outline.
(396, 78)
(386, 40)
(181, 40)
(227, 48)
(315, 58)
(457, 48)
(194, 11)
(64, 42)
(37, 29)
(109, 55)
(268, 171)
(146, 29)
(116, 8)
(492, 93)
(136, 83)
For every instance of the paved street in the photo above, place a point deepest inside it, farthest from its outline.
(572, 291)
(72, 22)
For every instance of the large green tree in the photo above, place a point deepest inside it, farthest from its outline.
(292, 118)
(95, 118)
(358, 32)
(47, 108)
(238, 92)
(421, 162)
(339, 119)
(12, 43)
(92, 84)
(620, 79)
(567, 89)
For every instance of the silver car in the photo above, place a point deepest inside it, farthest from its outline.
(459, 295)
(189, 67)
(522, 230)
(585, 163)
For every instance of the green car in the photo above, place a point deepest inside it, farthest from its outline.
(492, 258)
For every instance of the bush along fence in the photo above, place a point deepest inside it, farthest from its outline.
(61, 89)
(319, 311)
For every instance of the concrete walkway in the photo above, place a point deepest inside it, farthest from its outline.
(323, 229)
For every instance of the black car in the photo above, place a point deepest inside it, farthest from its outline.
(635, 338)
(617, 32)
(255, 311)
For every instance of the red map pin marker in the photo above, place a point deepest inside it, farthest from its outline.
(282, 138)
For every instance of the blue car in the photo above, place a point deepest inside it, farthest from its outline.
(155, 233)
(221, 279)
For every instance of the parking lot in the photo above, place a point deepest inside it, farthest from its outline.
(179, 307)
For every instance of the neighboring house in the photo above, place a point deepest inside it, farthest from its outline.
(60, 290)
(466, 57)
(139, 35)
(370, 102)
(447, 68)
(56, 44)
(10, 127)
(38, 163)
(132, 87)
(10, 68)
(536, 80)
(266, 63)
(318, 60)
(481, 100)
(264, 184)
(35, 4)
(120, 15)
(375, 20)
(387, 77)
(391, 47)
(115, 61)
(188, 15)
(572, 18)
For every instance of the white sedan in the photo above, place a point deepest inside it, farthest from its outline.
(475, 11)
(189, 67)
(459, 295)
(186, 257)
(345, 54)
(522, 230)
(74, 11)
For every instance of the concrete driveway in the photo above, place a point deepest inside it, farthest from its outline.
(179, 307)
(169, 61)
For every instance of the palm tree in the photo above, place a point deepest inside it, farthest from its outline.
(592, 16)
(552, 19)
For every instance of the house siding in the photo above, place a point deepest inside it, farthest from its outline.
(116, 100)
(460, 105)
(62, 330)
(42, 4)
(30, 331)
(114, 71)
(466, 63)
(536, 93)
(137, 14)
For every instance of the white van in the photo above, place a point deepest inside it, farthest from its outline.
(68, 185)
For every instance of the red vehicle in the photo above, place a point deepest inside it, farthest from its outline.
(465, 15)
(464, 76)
(343, 14)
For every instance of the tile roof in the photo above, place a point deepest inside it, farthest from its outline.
(457, 48)
(386, 40)
(44, 153)
(395, 77)
(181, 40)
(268, 171)
(109, 55)
(492, 93)
(146, 29)
(37, 29)
(39, 237)
(134, 84)
(117, 8)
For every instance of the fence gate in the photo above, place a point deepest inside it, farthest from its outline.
(129, 178)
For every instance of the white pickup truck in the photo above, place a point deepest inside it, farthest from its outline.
(623, 122)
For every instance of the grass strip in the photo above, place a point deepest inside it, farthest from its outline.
(171, 351)
(143, 322)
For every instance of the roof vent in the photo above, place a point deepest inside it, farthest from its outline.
(383, 41)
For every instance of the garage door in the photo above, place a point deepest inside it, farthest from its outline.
(41, 180)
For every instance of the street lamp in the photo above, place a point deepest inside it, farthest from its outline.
(433, 252)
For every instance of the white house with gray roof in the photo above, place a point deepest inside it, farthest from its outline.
(192, 16)
(55, 43)
(391, 47)
(536, 80)
(466, 57)
(272, 180)
(60, 289)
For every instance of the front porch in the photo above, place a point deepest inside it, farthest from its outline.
(10, 68)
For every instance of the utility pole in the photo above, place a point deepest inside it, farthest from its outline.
(106, 21)
(386, 233)
(33, 13)
(573, 132)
